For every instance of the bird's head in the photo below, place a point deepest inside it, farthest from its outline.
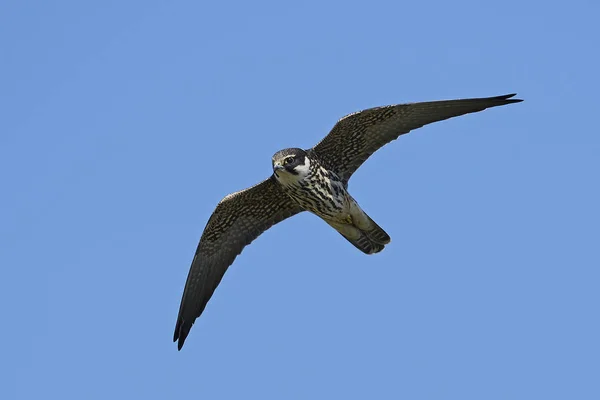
(291, 164)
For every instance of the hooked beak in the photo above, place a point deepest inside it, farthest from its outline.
(277, 167)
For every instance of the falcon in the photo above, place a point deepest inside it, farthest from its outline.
(314, 180)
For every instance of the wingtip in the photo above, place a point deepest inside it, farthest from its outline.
(181, 332)
(507, 98)
(177, 335)
(180, 341)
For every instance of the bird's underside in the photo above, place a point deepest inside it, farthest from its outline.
(314, 180)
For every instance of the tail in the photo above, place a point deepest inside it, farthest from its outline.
(364, 234)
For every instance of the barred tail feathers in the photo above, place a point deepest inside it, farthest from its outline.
(363, 233)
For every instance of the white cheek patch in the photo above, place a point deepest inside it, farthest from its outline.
(303, 170)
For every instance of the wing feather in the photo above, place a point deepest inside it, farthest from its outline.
(357, 136)
(238, 219)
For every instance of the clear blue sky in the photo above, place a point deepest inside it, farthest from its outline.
(124, 123)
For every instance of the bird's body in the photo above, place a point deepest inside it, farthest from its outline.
(314, 180)
(322, 192)
(308, 183)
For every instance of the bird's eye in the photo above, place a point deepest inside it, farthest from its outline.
(289, 160)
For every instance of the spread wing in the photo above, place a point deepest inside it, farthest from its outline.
(356, 136)
(238, 219)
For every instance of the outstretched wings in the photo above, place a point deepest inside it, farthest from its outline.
(238, 219)
(356, 136)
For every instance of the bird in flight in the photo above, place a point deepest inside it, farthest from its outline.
(314, 180)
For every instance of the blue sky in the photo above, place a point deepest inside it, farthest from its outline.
(124, 123)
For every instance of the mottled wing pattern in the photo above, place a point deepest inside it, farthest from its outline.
(356, 136)
(238, 219)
